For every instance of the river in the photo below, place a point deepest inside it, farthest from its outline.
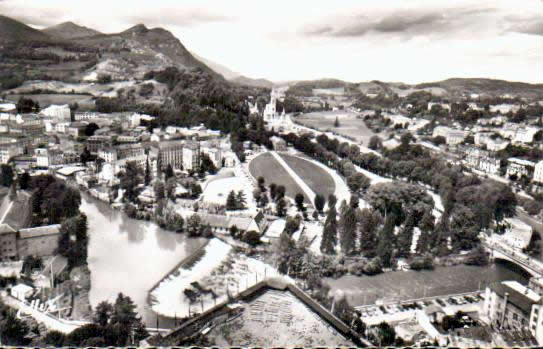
(403, 285)
(130, 256)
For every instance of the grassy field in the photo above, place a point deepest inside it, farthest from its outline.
(266, 166)
(349, 125)
(315, 177)
(84, 101)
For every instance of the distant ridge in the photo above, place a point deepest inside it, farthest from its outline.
(69, 30)
(12, 30)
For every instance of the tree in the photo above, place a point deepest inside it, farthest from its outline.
(357, 182)
(273, 191)
(6, 175)
(103, 78)
(261, 183)
(386, 241)
(234, 231)
(386, 334)
(147, 178)
(169, 172)
(207, 165)
(130, 179)
(299, 199)
(252, 238)
(54, 338)
(90, 129)
(13, 330)
(280, 192)
(24, 181)
(281, 208)
(240, 200)
(370, 220)
(27, 105)
(375, 143)
(103, 313)
(194, 226)
(73, 240)
(85, 156)
(348, 230)
(320, 201)
(231, 201)
(329, 233)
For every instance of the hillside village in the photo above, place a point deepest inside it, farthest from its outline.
(277, 208)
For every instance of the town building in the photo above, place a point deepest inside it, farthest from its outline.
(170, 153)
(279, 144)
(8, 151)
(519, 168)
(191, 156)
(76, 129)
(214, 153)
(517, 233)
(511, 305)
(446, 106)
(481, 160)
(48, 157)
(57, 112)
(8, 243)
(85, 116)
(96, 143)
(496, 144)
(222, 223)
(38, 241)
(525, 135)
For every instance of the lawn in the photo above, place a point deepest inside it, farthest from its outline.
(349, 125)
(315, 177)
(266, 166)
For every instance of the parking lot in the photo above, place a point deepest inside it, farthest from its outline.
(399, 311)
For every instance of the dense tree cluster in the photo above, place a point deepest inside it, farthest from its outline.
(13, 331)
(73, 240)
(115, 324)
(52, 200)
(236, 201)
(27, 105)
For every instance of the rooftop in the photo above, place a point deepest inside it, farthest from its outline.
(273, 312)
(6, 228)
(516, 295)
(39, 231)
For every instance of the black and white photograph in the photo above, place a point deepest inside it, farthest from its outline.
(210, 173)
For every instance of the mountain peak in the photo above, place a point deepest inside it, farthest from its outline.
(137, 29)
(70, 30)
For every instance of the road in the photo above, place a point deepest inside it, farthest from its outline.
(535, 223)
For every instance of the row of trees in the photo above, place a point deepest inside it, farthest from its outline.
(116, 324)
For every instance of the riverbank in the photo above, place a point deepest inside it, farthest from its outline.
(206, 278)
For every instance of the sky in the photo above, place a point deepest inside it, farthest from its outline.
(411, 41)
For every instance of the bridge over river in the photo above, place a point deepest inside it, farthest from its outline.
(500, 250)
